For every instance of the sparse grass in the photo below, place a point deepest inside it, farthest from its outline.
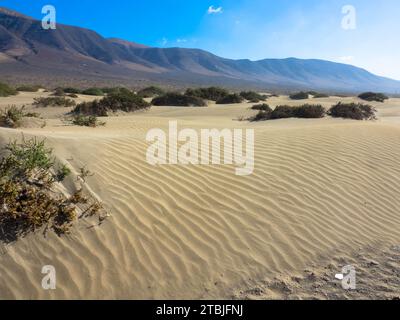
(87, 121)
(177, 99)
(253, 96)
(44, 102)
(211, 93)
(11, 116)
(29, 88)
(6, 90)
(373, 96)
(93, 92)
(150, 92)
(299, 96)
(123, 100)
(231, 99)
(29, 200)
(355, 111)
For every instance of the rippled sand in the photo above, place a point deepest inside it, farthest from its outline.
(180, 232)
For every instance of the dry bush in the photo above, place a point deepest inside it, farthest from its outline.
(45, 102)
(177, 99)
(355, 111)
(28, 197)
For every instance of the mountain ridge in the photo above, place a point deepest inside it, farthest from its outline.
(74, 53)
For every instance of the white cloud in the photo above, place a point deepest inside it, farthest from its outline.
(346, 59)
(164, 42)
(213, 10)
(181, 40)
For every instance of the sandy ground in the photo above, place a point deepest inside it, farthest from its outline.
(324, 194)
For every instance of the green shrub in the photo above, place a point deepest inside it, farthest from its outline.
(87, 121)
(309, 111)
(29, 88)
(93, 92)
(283, 112)
(262, 107)
(355, 111)
(230, 99)
(150, 92)
(45, 102)
(373, 96)
(59, 92)
(262, 116)
(6, 90)
(211, 93)
(71, 90)
(124, 100)
(253, 96)
(28, 196)
(177, 99)
(299, 96)
(320, 95)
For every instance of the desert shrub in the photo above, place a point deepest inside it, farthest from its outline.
(261, 107)
(11, 116)
(111, 90)
(150, 92)
(59, 92)
(262, 116)
(320, 95)
(29, 199)
(373, 96)
(72, 95)
(87, 121)
(211, 93)
(299, 96)
(44, 102)
(6, 90)
(356, 111)
(177, 99)
(230, 99)
(309, 111)
(71, 90)
(93, 92)
(253, 96)
(29, 88)
(124, 100)
(282, 112)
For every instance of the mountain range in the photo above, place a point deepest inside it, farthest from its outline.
(30, 54)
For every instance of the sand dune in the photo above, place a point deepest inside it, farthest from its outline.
(320, 188)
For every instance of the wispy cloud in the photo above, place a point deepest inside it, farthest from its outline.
(213, 10)
(347, 59)
(181, 40)
(163, 42)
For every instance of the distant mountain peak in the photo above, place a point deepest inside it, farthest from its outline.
(77, 54)
(13, 13)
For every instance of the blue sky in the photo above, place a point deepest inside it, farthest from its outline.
(253, 29)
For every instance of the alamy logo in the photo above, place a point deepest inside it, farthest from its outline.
(349, 21)
(49, 280)
(348, 277)
(49, 20)
(195, 150)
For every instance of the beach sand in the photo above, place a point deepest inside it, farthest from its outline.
(324, 193)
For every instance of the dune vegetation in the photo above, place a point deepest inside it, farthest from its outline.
(28, 177)
(210, 93)
(355, 111)
(6, 90)
(179, 100)
(373, 96)
(123, 100)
